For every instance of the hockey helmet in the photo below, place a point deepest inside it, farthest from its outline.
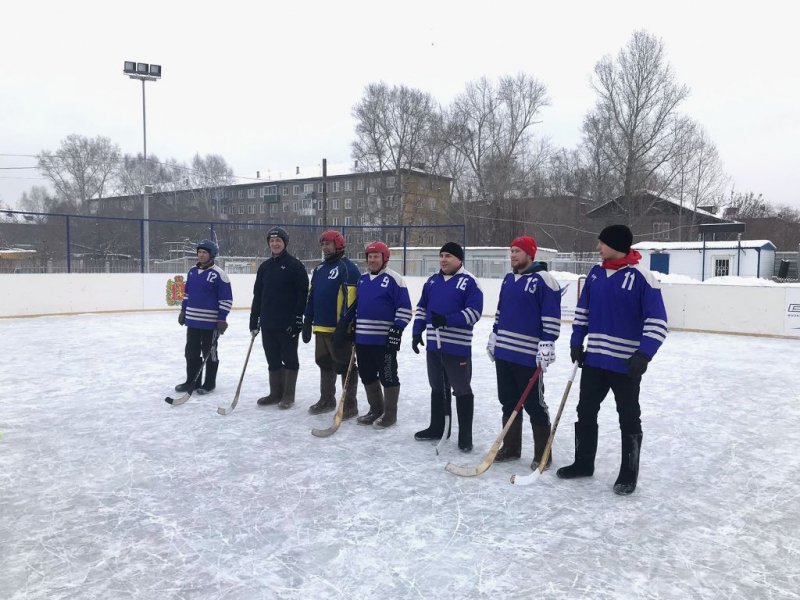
(209, 246)
(331, 235)
(374, 247)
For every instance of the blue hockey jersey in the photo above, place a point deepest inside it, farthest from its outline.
(382, 302)
(333, 290)
(207, 297)
(618, 312)
(460, 299)
(528, 311)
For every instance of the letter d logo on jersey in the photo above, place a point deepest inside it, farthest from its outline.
(334, 273)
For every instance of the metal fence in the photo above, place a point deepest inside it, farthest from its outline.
(63, 243)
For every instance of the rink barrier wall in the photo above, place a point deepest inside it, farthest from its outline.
(747, 310)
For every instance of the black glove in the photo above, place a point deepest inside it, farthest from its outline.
(342, 335)
(254, 323)
(637, 364)
(415, 342)
(576, 355)
(393, 341)
(294, 330)
(306, 330)
(222, 326)
(182, 318)
(438, 320)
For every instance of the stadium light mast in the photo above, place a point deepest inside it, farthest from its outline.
(144, 72)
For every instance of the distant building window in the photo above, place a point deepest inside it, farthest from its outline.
(348, 186)
(360, 185)
(335, 221)
(390, 182)
(308, 188)
(319, 220)
(251, 209)
(241, 194)
(661, 230)
(371, 189)
(348, 220)
(320, 185)
(722, 267)
(296, 189)
(294, 206)
(284, 206)
(284, 190)
(270, 190)
(348, 203)
(335, 204)
(336, 186)
(251, 193)
(360, 203)
(263, 208)
(241, 209)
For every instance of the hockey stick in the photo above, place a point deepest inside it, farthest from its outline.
(226, 410)
(529, 479)
(338, 417)
(188, 394)
(446, 399)
(489, 458)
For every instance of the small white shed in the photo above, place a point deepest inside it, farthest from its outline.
(481, 261)
(703, 260)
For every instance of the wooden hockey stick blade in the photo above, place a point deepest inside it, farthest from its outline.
(226, 410)
(488, 459)
(177, 401)
(444, 435)
(339, 416)
(526, 479)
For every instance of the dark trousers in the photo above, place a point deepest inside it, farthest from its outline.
(280, 349)
(374, 363)
(595, 384)
(512, 379)
(198, 344)
(330, 356)
(447, 371)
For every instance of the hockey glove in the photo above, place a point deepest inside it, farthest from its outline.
(576, 355)
(393, 341)
(416, 341)
(222, 326)
(545, 355)
(307, 330)
(182, 317)
(341, 333)
(490, 345)
(294, 330)
(438, 320)
(637, 364)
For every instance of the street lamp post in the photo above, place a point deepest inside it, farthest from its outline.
(144, 72)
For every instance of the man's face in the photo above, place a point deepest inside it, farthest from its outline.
(276, 245)
(374, 262)
(448, 263)
(203, 256)
(519, 259)
(607, 252)
(328, 247)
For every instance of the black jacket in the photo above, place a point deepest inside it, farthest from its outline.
(280, 292)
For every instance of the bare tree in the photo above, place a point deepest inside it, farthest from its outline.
(81, 167)
(635, 129)
(744, 205)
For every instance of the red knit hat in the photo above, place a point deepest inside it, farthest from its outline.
(527, 244)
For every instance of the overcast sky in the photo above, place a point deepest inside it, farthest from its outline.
(271, 85)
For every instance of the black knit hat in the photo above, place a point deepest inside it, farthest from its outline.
(278, 232)
(618, 237)
(454, 249)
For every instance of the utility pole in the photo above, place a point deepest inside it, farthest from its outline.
(325, 192)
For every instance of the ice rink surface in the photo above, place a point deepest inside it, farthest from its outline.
(108, 492)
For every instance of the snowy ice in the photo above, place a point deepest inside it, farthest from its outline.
(108, 492)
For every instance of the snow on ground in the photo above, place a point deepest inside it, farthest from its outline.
(108, 492)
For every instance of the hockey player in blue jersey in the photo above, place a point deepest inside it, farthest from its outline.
(621, 315)
(450, 305)
(332, 292)
(526, 326)
(381, 312)
(207, 300)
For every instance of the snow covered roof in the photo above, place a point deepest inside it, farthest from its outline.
(729, 245)
(666, 199)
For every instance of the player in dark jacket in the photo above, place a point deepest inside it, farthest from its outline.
(450, 305)
(526, 326)
(333, 291)
(279, 298)
(621, 315)
(207, 300)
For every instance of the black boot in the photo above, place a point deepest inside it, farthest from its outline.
(465, 406)
(585, 450)
(193, 365)
(541, 434)
(327, 393)
(375, 400)
(289, 386)
(210, 378)
(512, 443)
(629, 465)
(436, 428)
(389, 416)
(276, 378)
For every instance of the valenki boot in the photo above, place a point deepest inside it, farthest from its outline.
(210, 378)
(389, 416)
(585, 451)
(465, 407)
(275, 389)
(436, 427)
(192, 366)
(289, 385)
(350, 399)
(512, 443)
(541, 433)
(375, 399)
(327, 393)
(629, 465)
